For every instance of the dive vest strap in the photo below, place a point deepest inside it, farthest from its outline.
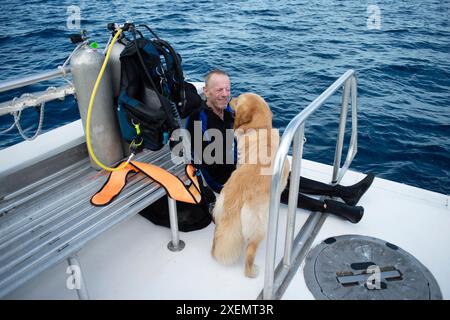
(174, 186)
(113, 186)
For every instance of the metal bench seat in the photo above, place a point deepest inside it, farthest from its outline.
(51, 219)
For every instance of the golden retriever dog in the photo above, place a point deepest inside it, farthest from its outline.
(242, 208)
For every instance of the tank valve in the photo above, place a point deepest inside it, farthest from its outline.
(78, 37)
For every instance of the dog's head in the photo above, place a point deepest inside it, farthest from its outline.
(251, 112)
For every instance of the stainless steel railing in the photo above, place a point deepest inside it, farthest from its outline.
(39, 77)
(276, 281)
(35, 99)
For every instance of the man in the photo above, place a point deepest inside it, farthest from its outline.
(215, 113)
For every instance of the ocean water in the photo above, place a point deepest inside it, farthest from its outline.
(286, 51)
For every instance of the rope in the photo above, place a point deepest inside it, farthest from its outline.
(17, 116)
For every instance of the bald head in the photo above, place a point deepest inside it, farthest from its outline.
(217, 90)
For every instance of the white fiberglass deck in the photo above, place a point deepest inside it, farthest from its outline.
(131, 261)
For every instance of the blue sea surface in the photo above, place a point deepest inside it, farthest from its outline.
(287, 51)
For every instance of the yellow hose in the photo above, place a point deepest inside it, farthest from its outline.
(91, 103)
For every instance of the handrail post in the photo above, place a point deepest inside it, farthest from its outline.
(354, 138)
(297, 155)
(341, 134)
(272, 228)
(353, 146)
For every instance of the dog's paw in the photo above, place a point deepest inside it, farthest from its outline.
(252, 272)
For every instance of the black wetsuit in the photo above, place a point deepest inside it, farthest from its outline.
(215, 174)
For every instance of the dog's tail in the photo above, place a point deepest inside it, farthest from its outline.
(228, 239)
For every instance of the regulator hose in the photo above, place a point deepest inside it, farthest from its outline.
(91, 103)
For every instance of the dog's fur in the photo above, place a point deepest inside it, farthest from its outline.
(242, 208)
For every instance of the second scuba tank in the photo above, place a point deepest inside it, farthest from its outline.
(114, 61)
(105, 135)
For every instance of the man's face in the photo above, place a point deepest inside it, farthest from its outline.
(217, 91)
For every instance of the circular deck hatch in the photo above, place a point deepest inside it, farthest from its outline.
(366, 268)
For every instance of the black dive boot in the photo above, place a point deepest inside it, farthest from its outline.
(351, 213)
(352, 194)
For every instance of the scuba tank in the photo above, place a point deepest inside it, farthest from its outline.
(105, 135)
(114, 61)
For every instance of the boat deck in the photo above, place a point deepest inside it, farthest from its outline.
(131, 260)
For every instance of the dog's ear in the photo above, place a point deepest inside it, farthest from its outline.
(244, 115)
(233, 103)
